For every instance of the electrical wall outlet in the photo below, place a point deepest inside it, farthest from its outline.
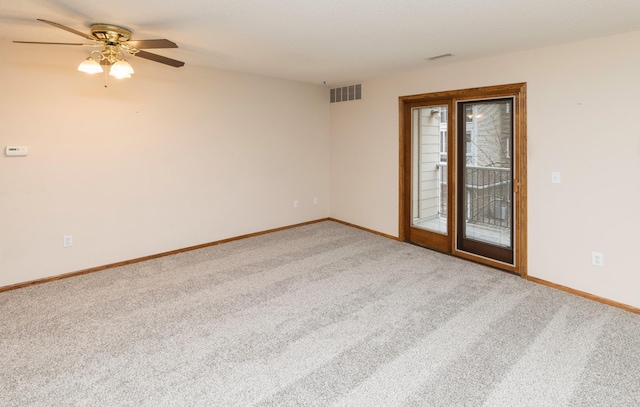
(67, 241)
(597, 259)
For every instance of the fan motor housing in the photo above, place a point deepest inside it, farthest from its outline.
(112, 34)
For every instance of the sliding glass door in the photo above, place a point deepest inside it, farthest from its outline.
(462, 173)
(485, 173)
(428, 204)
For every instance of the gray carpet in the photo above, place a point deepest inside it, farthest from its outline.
(318, 315)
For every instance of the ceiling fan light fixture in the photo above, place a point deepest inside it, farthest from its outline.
(90, 66)
(117, 42)
(122, 66)
(121, 69)
(120, 75)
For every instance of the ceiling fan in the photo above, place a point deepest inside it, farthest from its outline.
(116, 42)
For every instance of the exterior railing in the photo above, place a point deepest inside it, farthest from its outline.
(488, 195)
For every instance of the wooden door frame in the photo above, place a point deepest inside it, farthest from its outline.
(516, 90)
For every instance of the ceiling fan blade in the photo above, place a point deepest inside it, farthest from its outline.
(57, 43)
(148, 44)
(159, 58)
(71, 30)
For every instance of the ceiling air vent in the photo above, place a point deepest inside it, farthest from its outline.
(346, 93)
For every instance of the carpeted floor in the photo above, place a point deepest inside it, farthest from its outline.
(318, 315)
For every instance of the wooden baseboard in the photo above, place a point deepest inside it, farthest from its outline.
(585, 295)
(201, 246)
(151, 257)
(365, 229)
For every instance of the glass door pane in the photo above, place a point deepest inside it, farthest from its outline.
(485, 173)
(429, 168)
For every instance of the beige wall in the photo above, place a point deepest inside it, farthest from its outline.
(582, 122)
(174, 158)
(168, 159)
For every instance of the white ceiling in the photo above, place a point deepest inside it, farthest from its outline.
(337, 41)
